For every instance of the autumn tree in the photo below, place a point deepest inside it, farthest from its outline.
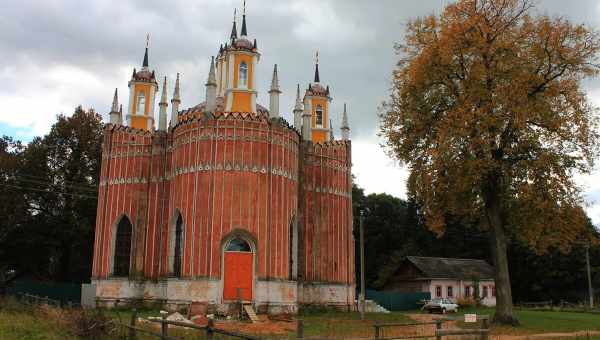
(488, 112)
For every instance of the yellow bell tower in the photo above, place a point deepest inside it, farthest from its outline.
(316, 103)
(142, 93)
(236, 65)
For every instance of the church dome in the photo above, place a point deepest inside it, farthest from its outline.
(220, 107)
(318, 90)
(243, 43)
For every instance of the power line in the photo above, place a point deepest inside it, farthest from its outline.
(43, 184)
(47, 191)
(64, 180)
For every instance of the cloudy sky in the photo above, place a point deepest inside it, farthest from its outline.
(57, 54)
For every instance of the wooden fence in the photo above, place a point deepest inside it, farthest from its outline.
(439, 333)
(210, 330)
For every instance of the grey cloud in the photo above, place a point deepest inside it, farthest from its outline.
(103, 36)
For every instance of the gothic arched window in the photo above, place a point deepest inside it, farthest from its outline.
(319, 112)
(141, 103)
(177, 249)
(122, 256)
(237, 244)
(243, 75)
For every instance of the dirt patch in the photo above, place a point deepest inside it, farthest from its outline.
(263, 327)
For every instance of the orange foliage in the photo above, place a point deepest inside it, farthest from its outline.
(487, 106)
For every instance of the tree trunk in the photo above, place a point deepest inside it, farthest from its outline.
(504, 304)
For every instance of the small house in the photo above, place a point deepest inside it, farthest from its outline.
(445, 278)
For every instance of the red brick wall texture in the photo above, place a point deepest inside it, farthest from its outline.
(226, 174)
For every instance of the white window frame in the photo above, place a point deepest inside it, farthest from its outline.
(243, 80)
(140, 106)
(318, 109)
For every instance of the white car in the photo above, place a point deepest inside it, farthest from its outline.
(440, 305)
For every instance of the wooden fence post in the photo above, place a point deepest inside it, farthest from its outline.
(438, 326)
(376, 331)
(132, 324)
(164, 327)
(486, 329)
(210, 329)
(300, 329)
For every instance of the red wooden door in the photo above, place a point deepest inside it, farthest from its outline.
(238, 274)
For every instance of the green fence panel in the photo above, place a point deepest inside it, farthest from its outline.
(397, 301)
(64, 292)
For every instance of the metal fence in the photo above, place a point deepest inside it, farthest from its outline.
(63, 292)
(396, 301)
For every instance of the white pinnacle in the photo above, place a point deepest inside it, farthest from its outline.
(345, 127)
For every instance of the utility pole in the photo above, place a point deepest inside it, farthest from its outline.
(362, 265)
(589, 276)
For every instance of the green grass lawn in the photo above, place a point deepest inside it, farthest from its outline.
(543, 321)
(328, 323)
(24, 325)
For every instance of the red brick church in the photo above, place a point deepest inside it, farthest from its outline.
(225, 199)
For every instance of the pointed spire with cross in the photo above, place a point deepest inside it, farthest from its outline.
(317, 67)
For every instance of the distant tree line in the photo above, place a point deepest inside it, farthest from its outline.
(396, 228)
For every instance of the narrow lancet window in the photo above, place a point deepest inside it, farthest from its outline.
(141, 103)
(122, 256)
(319, 112)
(243, 75)
(178, 247)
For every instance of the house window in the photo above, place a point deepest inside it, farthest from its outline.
(438, 291)
(493, 291)
(122, 248)
(449, 292)
(467, 291)
(243, 75)
(319, 112)
(485, 292)
(141, 103)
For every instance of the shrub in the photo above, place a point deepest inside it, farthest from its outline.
(466, 302)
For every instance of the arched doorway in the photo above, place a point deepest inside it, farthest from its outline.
(238, 269)
(122, 248)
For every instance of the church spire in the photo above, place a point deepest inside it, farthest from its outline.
(298, 108)
(115, 103)
(211, 88)
(345, 127)
(145, 62)
(114, 115)
(234, 28)
(175, 102)
(244, 31)
(274, 95)
(317, 68)
(162, 113)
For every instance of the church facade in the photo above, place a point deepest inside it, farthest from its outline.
(225, 201)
